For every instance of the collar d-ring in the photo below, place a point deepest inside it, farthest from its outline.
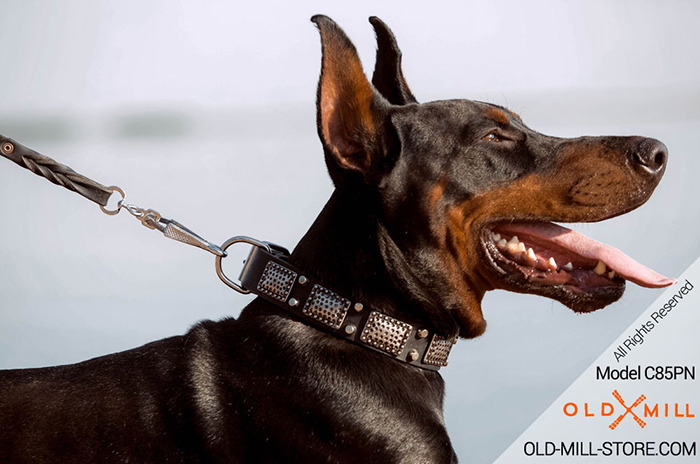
(239, 239)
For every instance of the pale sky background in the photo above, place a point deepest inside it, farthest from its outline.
(204, 111)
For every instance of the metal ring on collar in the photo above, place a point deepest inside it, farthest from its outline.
(228, 243)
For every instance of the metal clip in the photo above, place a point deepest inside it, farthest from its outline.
(150, 218)
(176, 231)
(170, 228)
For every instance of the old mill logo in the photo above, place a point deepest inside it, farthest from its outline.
(635, 410)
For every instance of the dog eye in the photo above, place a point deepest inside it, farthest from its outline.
(492, 137)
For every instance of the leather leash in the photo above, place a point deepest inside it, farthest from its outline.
(266, 273)
(54, 171)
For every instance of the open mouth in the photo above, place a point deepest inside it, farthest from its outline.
(548, 255)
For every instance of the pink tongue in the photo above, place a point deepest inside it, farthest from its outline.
(616, 260)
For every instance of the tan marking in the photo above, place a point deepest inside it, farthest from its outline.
(435, 193)
(497, 115)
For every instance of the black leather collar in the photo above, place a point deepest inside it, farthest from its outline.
(271, 277)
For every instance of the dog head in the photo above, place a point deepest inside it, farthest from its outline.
(468, 192)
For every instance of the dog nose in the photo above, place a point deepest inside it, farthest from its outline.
(650, 157)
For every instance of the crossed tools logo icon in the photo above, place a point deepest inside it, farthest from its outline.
(628, 410)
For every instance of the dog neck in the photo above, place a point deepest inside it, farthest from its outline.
(348, 249)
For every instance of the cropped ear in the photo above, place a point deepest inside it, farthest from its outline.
(350, 112)
(388, 77)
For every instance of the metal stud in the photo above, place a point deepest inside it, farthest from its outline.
(359, 307)
(386, 333)
(7, 148)
(293, 302)
(413, 355)
(326, 306)
(350, 329)
(277, 281)
(303, 280)
(438, 351)
(422, 333)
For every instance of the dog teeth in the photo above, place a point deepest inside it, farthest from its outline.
(530, 253)
(512, 244)
(515, 246)
(600, 268)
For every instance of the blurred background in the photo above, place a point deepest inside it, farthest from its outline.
(205, 112)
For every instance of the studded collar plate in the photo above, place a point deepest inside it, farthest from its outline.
(269, 276)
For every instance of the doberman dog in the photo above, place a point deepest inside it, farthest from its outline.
(435, 204)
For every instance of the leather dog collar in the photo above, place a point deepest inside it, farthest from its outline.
(268, 275)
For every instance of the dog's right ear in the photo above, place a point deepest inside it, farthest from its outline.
(388, 77)
(351, 114)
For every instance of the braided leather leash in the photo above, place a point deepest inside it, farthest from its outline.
(53, 171)
(62, 175)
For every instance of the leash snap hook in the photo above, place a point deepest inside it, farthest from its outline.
(239, 239)
(153, 220)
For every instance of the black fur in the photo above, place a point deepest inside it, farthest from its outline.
(268, 388)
